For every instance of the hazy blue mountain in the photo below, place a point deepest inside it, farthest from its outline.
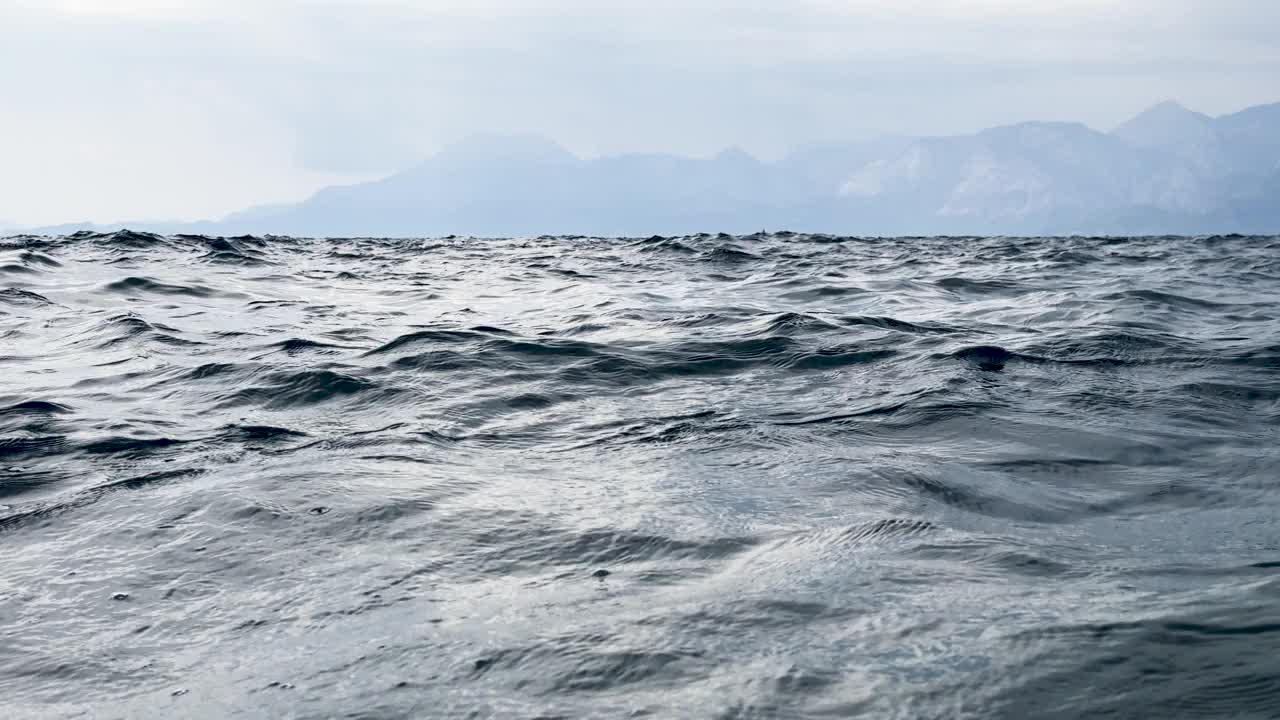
(1232, 155)
(1172, 128)
(526, 185)
(1012, 173)
(1168, 170)
(1251, 139)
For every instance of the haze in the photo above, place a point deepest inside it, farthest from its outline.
(140, 109)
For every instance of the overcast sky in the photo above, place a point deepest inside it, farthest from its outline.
(154, 109)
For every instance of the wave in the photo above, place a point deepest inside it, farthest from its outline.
(20, 298)
(135, 285)
(768, 475)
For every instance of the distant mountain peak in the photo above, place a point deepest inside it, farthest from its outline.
(1167, 114)
(1170, 106)
(1172, 127)
(1040, 126)
(495, 146)
(1267, 115)
(735, 154)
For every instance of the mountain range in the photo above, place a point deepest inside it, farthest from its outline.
(1169, 170)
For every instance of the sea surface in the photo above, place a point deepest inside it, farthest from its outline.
(769, 476)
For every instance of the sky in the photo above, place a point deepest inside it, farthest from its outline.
(116, 110)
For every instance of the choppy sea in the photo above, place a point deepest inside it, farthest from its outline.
(770, 476)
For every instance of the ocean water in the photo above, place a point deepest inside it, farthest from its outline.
(772, 476)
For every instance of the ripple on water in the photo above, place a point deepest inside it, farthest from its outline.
(774, 476)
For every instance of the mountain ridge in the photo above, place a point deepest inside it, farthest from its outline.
(1168, 169)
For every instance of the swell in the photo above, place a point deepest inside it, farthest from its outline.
(1105, 349)
(40, 512)
(766, 475)
(142, 285)
(577, 361)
